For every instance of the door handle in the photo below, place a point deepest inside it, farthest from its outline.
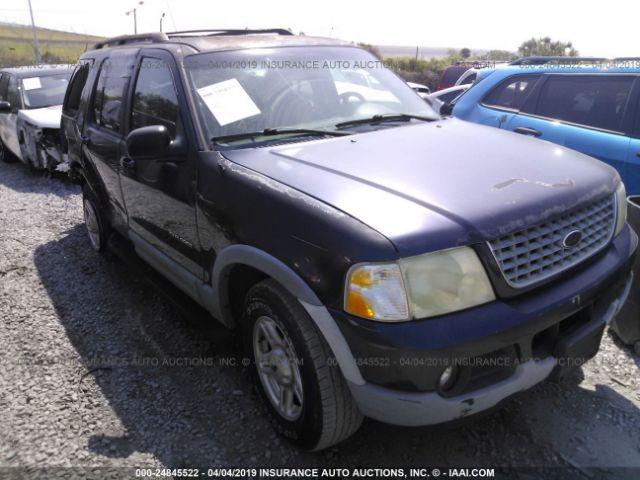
(528, 131)
(127, 163)
(85, 140)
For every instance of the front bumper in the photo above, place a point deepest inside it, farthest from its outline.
(523, 340)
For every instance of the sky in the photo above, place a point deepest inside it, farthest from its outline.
(610, 30)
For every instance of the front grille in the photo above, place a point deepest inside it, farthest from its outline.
(529, 256)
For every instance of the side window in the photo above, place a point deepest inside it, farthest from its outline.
(13, 94)
(74, 91)
(154, 100)
(511, 93)
(597, 101)
(4, 83)
(108, 97)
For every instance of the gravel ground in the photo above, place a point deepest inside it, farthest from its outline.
(93, 374)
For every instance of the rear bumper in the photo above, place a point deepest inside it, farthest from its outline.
(524, 340)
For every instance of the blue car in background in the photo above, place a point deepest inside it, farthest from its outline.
(592, 109)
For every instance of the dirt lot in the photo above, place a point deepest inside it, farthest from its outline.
(92, 375)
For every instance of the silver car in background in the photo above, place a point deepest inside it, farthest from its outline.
(30, 111)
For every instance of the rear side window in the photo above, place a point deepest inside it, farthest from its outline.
(469, 80)
(154, 100)
(108, 98)
(595, 101)
(13, 94)
(4, 83)
(74, 92)
(511, 93)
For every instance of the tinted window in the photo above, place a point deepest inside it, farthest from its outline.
(4, 83)
(154, 101)
(594, 101)
(452, 74)
(469, 80)
(13, 94)
(72, 102)
(450, 96)
(108, 98)
(512, 93)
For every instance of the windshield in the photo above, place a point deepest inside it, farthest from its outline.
(296, 87)
(45, 91)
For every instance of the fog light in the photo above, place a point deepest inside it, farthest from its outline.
(448, 378)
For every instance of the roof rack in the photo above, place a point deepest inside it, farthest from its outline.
(155, 37)
(238, 31)
(159, 37)
(541, 60)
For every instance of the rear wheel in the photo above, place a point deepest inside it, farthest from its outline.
(5, 155)
(95, 222)
(294, 370)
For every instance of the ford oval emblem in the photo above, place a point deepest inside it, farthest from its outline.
(572, 239)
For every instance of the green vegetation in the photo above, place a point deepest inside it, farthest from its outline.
(545, 46)
(16, 45)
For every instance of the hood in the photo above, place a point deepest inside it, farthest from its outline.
(48, 117)
(437, 185)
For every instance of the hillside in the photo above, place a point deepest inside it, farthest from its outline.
(16, 45)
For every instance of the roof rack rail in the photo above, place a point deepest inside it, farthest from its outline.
(541, 60)
(155, 37)
(231, 31)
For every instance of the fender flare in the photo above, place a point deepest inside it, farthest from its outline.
(215, 299)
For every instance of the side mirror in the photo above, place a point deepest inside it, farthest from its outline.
(148, 142)
(5, 107)
(446, 109)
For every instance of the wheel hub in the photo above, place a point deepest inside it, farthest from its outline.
(278, 368)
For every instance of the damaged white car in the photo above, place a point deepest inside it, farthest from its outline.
(30, 110)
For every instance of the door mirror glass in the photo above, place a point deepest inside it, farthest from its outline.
(5, 107)
(148, 142)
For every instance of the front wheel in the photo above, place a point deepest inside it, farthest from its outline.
(95, 222)
(294, 370)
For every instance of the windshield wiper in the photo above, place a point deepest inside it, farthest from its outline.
(387, 117)
(271, 132)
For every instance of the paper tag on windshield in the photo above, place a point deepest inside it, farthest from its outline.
(31, 83)
(228, 101)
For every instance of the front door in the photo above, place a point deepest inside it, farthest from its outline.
(159, 193)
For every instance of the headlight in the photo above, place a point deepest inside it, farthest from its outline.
(376, 292)
(418, 287)
(446, 281)
(621, 208)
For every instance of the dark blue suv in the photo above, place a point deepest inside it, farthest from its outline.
(374, 259)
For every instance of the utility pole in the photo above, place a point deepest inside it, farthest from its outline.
(161, 18)
(36, 46)
(135, 17)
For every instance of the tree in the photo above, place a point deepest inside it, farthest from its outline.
(500, 56)
(546, 47)
(465, 52)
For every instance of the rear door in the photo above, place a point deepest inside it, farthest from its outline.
(591, 113)
(103, 133)
(73, 114)
(9, 91)
(159, 193)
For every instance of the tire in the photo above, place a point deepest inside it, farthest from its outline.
(5, 154)
(98, 228)
(636, 348)
(322, 411)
